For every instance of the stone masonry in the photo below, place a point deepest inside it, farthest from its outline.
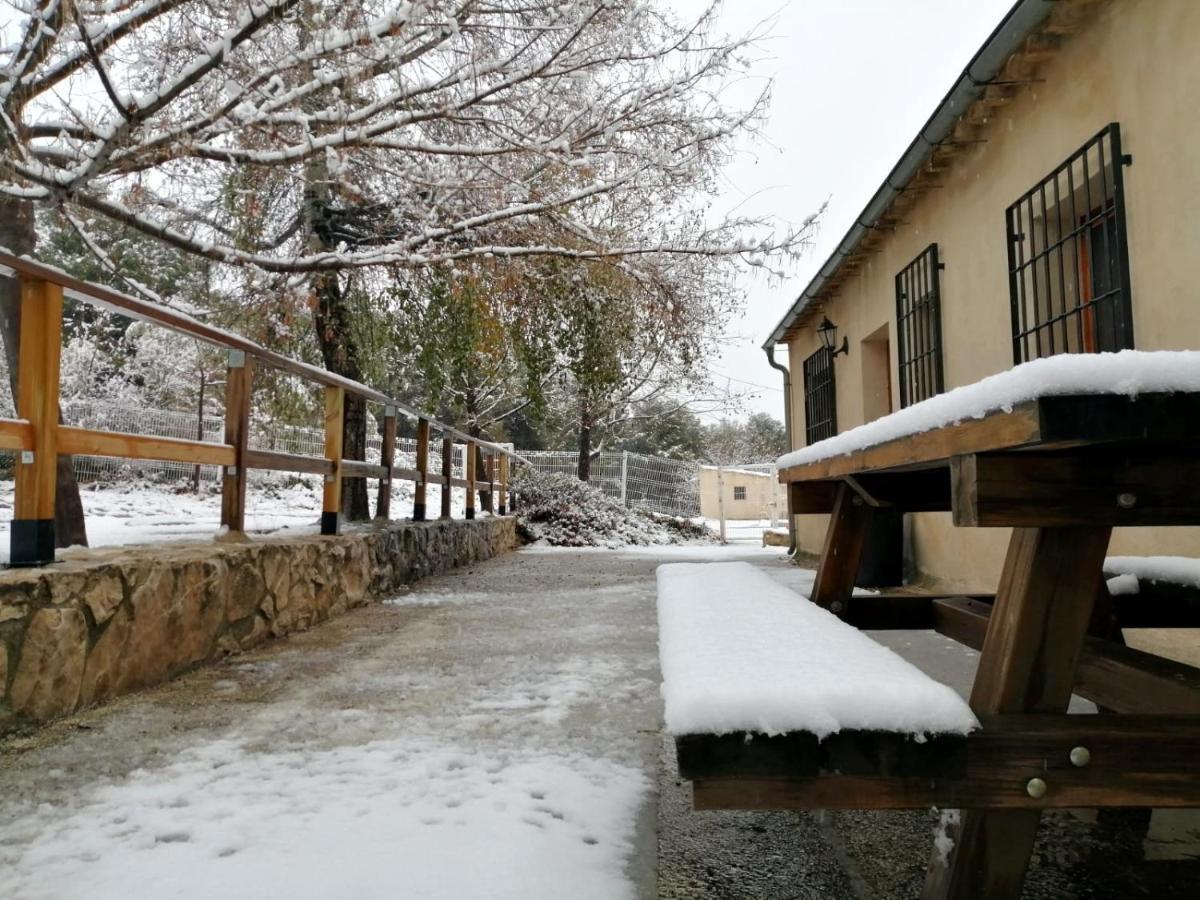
(103, 623)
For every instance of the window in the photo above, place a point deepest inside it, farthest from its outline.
(739, 492)
(1068, 260)
(820, 397)
(919, 327)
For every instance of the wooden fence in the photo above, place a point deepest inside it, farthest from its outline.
(38, 438)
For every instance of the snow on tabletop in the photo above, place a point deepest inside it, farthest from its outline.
(1181, 570)
(1130, 372)
(740, 652)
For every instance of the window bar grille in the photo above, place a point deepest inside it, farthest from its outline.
(919, 327)
(820, 397)
(1068, 256)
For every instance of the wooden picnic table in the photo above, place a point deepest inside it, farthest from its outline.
(1062, 471)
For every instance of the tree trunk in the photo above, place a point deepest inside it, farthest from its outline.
(342, 356)
(17, 233)
(585, 449)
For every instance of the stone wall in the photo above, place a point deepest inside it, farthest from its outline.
(102, 623)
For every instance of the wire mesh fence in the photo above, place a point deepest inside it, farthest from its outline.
(670, 486)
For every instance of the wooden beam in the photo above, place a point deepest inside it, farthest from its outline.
(1111, 675)
(849, 526)
(470, 452)
(331, 501)
(1034, 639)
(16, 434)
(503, 499)
(357, 468)
(919, 490)
(288, 462)
(422, 469)
(239, 387)
(1132, 761)
(86, 442)
(447, 473)
(1075, 488)
(32, 536)
(387, 458)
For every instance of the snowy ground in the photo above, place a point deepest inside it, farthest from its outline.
(492, 733)
(143, 512)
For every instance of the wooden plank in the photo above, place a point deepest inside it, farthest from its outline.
(16, 434)
(357, 468)
(239, 386)
(32, 536)
(288, 462)
(387, 458)
(447, 473)
(422, 469)
(1015, 429)
(470, 451)
(503, 498)
(1133, 761)
(331, 501)
(1111, 675)
(849, 526)
(1034, 639)
(1084, 487)
(85, 442)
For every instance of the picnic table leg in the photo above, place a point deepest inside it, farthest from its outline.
(1034, 638)
(849, 525)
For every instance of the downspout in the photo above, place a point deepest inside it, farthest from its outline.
(787, 430)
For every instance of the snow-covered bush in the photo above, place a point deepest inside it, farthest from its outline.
(566, 512)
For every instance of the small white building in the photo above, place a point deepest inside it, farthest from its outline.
(748, 493)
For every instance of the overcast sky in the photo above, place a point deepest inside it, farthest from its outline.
(854, 81)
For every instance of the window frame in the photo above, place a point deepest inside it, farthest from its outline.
(820, 412)
(919, 350)
(739, 492)
(1089, 217)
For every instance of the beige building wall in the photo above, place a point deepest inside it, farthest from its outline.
(1138, 64)
(765, 497)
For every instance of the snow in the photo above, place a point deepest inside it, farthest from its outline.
(1129, 372)
(139, 512)
(1181, 570)
(411, 817)
(740, 652)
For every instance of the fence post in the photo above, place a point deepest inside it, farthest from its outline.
(447, 473)
(422, 470)
(624, 477)
(490, 468)
(32, 536)
(238, 384)
(335, 414)
(387, 458)
(470, 460)
(502, 505)
(721, 499)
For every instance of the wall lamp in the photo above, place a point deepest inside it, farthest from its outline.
(827, 331)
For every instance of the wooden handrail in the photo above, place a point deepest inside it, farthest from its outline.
(182, 323)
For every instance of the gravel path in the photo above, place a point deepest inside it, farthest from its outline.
(495, 732)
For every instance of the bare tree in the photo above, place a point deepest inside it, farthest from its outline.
(312, 138)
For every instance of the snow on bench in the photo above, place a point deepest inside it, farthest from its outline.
(1125, 573)
(1128, 373)
(741, 652)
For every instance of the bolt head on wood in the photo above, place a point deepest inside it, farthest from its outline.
(835, 607)
(1080, 756)
(1036, 788)
(1126, 500)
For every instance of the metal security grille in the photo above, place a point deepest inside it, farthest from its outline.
(919, 327)
(1068, 260)
(820, 397)
(739, 492)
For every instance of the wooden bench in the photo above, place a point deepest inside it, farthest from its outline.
(1042, 449)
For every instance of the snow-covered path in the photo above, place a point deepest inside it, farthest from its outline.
(493, 733)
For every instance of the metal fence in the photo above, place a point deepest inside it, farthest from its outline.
(670, 486)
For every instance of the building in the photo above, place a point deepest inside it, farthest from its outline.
(748, 494)
(1048, 205)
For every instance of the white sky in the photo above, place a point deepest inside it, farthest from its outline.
(854, 81)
